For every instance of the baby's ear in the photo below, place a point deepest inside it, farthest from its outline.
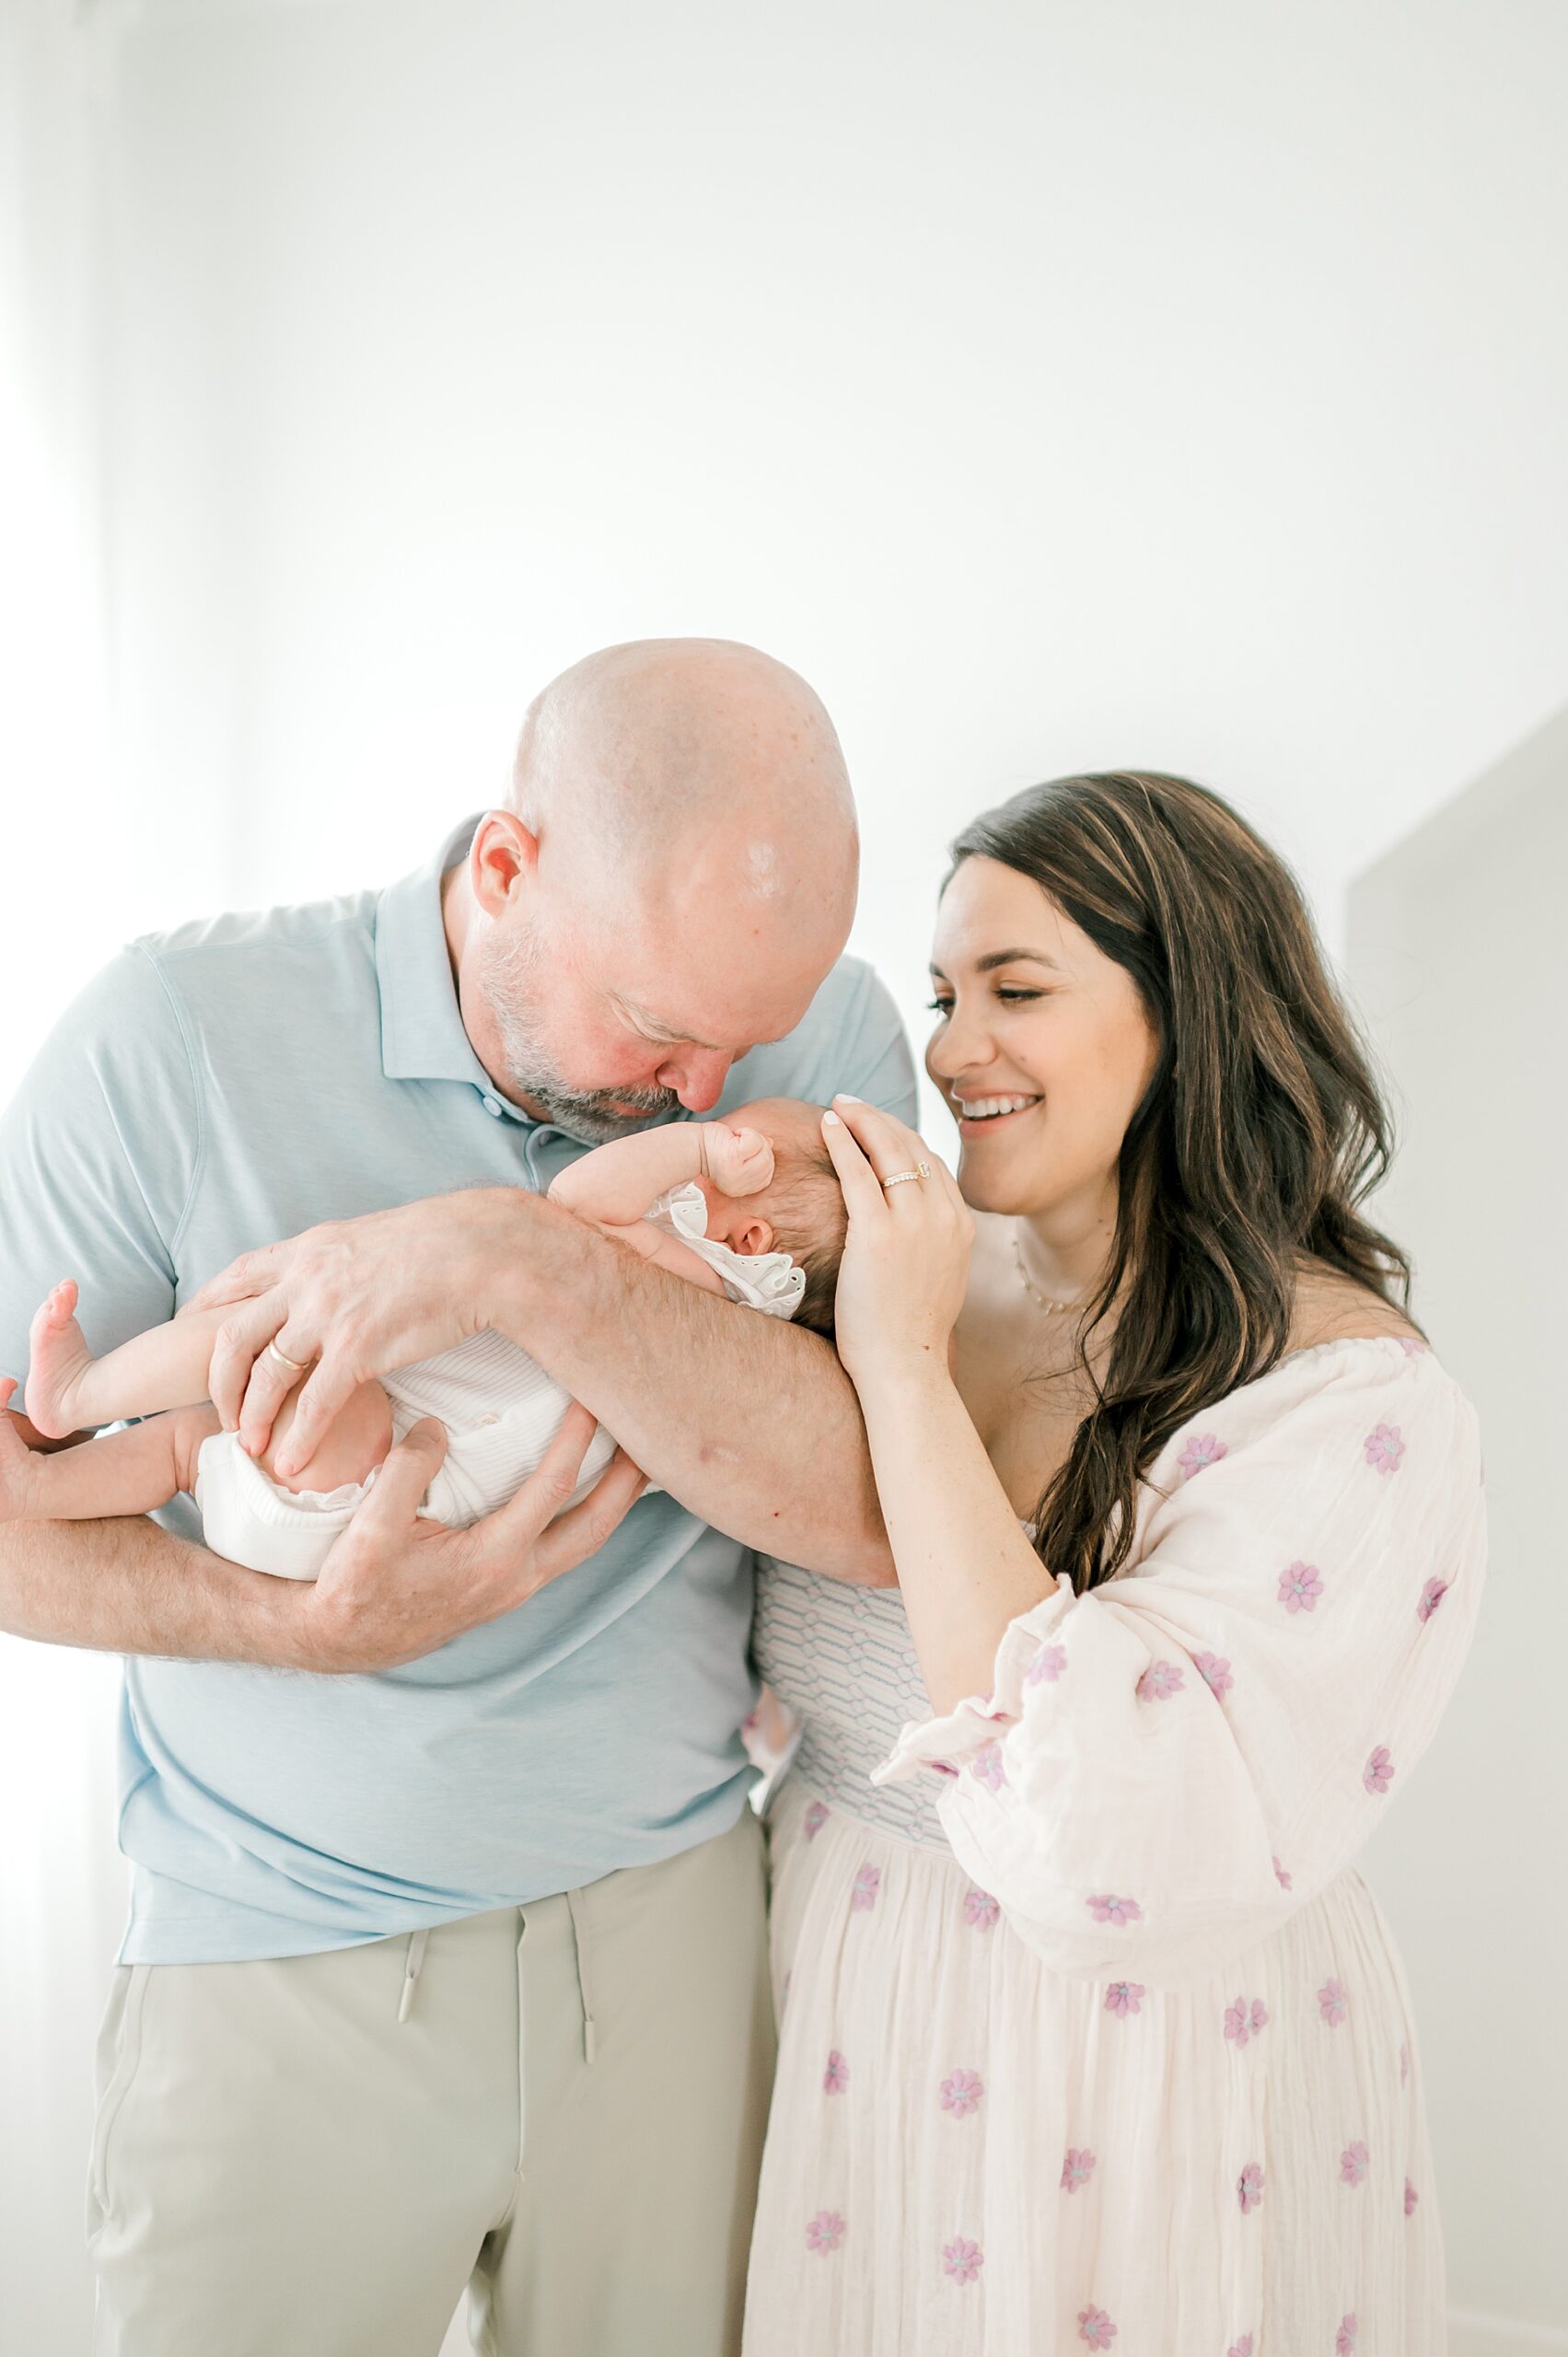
(755, 1237)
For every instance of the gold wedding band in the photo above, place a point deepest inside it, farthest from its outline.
(902, 1178)
(295, 1367)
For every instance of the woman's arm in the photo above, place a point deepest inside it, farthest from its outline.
(1153, 1775)
(964, 1565)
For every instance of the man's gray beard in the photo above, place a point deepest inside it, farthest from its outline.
(592, 1116)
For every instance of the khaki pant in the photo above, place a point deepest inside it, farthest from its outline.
(560, 2105)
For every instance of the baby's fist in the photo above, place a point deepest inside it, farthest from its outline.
(740, 1161)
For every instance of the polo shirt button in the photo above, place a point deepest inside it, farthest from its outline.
(491, 1105)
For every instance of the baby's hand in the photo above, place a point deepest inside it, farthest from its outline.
(740, 1161)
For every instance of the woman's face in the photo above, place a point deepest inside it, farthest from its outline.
(1042, 1050)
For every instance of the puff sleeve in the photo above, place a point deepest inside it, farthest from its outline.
(1173, 1761)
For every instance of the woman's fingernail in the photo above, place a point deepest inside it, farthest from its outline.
(842, 1097)
(833, 1118)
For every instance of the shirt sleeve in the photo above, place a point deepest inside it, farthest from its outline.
(99, 1156)
(1173, 1762)
(869, 1056)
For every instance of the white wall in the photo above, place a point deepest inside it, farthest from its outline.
(1459, 951)
(1056, 384)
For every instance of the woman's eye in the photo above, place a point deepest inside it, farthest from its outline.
(940, 1006)
(1019, 998)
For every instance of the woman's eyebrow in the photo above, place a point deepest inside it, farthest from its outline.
(989, 964)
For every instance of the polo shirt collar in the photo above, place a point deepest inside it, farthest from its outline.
(421, 1027)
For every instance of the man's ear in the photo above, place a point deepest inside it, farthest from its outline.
(755, 1238)
(502, 859)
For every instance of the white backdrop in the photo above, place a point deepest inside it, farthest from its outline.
(1055, 384)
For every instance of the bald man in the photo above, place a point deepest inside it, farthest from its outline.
(445, 1963)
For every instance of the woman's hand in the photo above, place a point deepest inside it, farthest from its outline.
(395, 1586)
(906, 1262)
(350, 1300)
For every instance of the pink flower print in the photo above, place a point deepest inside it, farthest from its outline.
(817, 1816)
(1159, 1682)
(835, 2078)
(1095, 2329)
(1353, 2163)
(1244, 2019)
(1332, 2004)
(825, 2232)
(980, 1910)
(1432, 1595)
(1279, 1874)
(1412, 1348)
(962, 2260)
(1344, 2340)
(1107, 1908)
(987, 1766)
(1242, 2348)
(1384, 1447)
(1124, 1997)
(1204, 1448)
(867, 1883)
(1379, 1772)
(1215, 1671)
(1047, 1666)
(1077, 2169)
(1411, 2197)
(1300, 1586)
(961, 2092)
(1250, 2187)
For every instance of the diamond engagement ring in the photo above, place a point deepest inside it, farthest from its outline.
(902, 1178)
(295, 1367)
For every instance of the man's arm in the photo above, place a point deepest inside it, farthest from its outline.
(98, 1155)
(750, 1422)
(393, 1588)
(766, 1441)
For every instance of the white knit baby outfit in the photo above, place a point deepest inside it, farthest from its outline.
(500, 1408)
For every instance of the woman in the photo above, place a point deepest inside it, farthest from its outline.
(1090, 2037)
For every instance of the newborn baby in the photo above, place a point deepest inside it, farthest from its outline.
(749, 1207)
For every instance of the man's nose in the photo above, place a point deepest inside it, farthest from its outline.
(697, 1077)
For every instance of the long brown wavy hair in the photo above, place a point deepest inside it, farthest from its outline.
(1259, 1135)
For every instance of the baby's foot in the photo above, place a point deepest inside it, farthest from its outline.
(60, 1357)
(740, 1161)
(17, 1464)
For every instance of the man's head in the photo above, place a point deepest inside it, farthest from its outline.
(669, 882)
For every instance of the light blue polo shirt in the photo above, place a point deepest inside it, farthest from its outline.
(233, 1082)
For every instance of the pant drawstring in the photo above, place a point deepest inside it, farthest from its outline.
(412, 1971)
(580, 1945)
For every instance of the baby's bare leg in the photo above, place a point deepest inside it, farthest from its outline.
(353, 1444)
(70, 1391)
(128, 1472)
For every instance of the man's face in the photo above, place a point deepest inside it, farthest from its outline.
(604, 1029)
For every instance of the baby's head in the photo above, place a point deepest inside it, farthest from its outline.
(801, 1209)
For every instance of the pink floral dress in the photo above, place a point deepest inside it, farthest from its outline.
(1090, 2035)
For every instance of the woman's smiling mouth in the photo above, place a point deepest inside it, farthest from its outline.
(976, 1113)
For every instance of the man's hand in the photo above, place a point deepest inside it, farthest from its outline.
(351, 1300)
(396, 1587)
